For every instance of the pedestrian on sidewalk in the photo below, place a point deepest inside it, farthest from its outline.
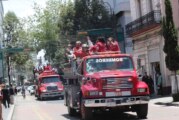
(145, 78)
(1, 98)
(11, 92)
(151, 85)
(15, 90)
(6, 96)
(159, 83)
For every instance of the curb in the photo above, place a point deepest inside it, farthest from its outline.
(11, 113)
(12, 110)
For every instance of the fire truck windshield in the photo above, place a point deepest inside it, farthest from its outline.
(109, 63)
(50, 79)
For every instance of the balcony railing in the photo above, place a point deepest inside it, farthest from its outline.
(145, 22)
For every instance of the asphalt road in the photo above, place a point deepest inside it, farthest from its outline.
(53, 109)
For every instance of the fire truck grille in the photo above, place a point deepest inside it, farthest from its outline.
(117, 83)
(50, 88)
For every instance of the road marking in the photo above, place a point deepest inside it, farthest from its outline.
(37, 113)
(41, 113)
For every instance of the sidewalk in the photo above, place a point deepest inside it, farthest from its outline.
(7, 112)
(167, 101)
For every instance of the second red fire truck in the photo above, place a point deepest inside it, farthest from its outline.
(49, 85)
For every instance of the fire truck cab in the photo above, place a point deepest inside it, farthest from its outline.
(104, 81)
(49, 85)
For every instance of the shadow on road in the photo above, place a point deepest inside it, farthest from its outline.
(107, 116)
(50, 99)
(166, 104)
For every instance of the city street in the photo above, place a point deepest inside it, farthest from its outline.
(32, 109)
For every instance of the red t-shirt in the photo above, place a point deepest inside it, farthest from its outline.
(114, 46)
(76, 50)
(81, 54)
(98, 47)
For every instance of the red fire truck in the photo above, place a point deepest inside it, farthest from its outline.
(49, 85)
(104, 81)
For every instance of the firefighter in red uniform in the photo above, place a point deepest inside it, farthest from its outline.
(77, 47)
(100, 45)
(112, 45)
(84, 52)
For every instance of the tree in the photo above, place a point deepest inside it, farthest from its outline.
(88, 13)
(50, 26)
(171, 47)
(10, 25)
(15, 37)
(45, 27)
(66, 19)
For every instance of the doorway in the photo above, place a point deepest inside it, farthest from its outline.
(155, 70)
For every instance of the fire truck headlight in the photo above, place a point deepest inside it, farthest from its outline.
(60, 89)
(44, 90)
(141, 90)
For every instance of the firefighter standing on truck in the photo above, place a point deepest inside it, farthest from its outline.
(100, 45)
(112, 45)
(83, 52)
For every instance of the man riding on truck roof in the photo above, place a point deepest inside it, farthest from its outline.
(83, 52)
(100, 45)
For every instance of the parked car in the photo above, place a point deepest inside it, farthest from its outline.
(31, 89)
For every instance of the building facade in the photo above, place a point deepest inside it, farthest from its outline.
(146, 32)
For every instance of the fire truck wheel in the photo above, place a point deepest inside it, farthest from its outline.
(40, 98)
(62, 97)
(71, 111)
(142, 111)
(86, 113)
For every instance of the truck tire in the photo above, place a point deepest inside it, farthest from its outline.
(142, 111)
(62, 97)
(71, 111)
(86, 113)
(40, 98)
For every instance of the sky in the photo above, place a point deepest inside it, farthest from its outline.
(22, 8)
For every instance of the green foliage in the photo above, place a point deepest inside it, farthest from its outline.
(87, 15)
(171, 47)
(16, 37)
(10, 25)
(59, 60)
(66, 18)
(20, 58)
(44, 27)
(170, 35)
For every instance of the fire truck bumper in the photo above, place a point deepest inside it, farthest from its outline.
(52, 94)
(115, 102)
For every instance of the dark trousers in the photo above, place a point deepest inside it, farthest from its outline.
(160, 90)
(6, 100)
